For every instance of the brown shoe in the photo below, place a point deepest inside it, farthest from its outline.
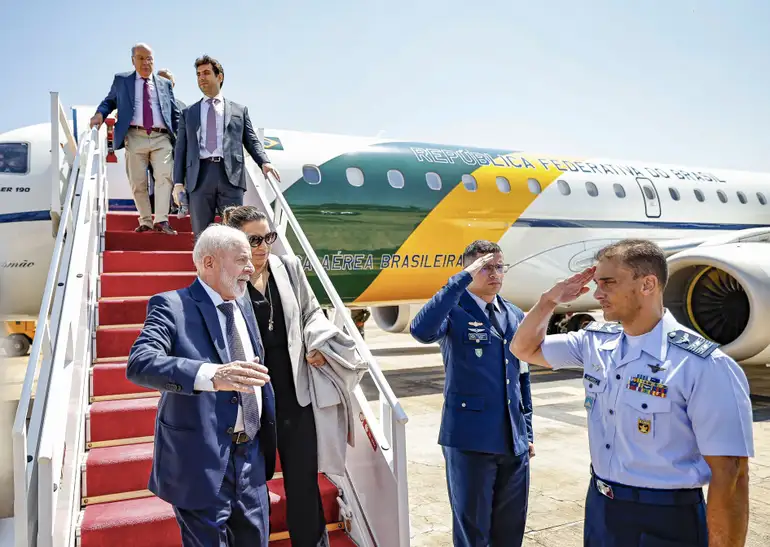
(165, 227)
(143, 228)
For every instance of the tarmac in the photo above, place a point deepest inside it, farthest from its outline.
(560, 468)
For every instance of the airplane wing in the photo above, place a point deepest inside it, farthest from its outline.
(672, 246)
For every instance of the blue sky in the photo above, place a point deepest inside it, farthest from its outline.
(683, 81)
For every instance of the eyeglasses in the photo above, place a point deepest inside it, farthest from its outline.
(269, 238)
(499, 269)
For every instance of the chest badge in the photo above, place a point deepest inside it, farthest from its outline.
(479, 352)
(475, 324)
(589, 402)
(655, 368)
(648, 386)
(644, 426)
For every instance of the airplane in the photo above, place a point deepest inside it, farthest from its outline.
(389, 220)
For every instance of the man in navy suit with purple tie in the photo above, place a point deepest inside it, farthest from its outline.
(215, 439)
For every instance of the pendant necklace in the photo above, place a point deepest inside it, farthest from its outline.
(269, 301)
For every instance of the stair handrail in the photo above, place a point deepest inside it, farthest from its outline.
(26, 439)
(393, 418)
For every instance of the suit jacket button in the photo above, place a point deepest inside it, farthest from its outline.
(507, 380)
(230, 430)
(463, 405)
(234, 400)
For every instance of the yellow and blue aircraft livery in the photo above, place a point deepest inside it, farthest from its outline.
(390, 220)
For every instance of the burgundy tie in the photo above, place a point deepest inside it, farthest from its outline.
(147, 108)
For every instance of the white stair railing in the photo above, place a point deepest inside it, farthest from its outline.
(393, 419)
(47, 430)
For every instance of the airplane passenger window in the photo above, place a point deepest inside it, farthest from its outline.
(469, 181)
(311, 174)
(762, 199)
(534, 186)
(592, 190)
(503, 185)
(433, 180)
(396, 178)
(355, 176)
(564, 188)
(14, 158)
(619, 190)
(722, 196)
(699, 195)
(742, 197)
(674, 193)
(648, 193)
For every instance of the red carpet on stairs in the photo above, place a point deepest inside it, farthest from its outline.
(117, 508)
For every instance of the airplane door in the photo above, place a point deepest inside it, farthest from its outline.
(650, 195)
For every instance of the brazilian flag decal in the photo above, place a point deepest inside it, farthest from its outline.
(273, 143)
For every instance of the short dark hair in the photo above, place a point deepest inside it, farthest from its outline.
(215, 65)
(643, 257)
(477, 248)
(236, 216)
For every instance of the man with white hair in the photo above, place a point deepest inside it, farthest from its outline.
(215, 438)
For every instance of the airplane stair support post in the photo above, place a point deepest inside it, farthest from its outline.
(59, 128)
(54, 351)
(376, 468)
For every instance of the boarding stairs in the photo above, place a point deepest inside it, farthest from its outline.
(83, 444)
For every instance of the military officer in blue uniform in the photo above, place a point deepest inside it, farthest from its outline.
(668, 412)
(486, 424)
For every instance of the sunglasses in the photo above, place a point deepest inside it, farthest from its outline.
(269, 238)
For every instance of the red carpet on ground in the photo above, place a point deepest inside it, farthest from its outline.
(117, 508)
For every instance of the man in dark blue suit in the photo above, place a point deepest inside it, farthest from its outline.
(147, 121)
(486, 424)
(208, 158)
(215, 439)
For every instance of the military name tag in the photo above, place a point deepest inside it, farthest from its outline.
(477, 335)
(592, 379)
(649, 386)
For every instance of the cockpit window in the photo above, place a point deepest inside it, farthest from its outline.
(14, 158)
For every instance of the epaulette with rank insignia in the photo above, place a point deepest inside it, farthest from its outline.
(607, 328)
(692, 342)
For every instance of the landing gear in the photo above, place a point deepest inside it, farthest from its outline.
(563, 323)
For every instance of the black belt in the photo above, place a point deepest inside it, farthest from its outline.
(213, 159)
(240, 437)
(650, 496)
(153, 130)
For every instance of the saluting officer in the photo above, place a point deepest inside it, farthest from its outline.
(486, 424)
(668, 412)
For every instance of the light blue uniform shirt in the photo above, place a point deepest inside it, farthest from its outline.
(657, 406)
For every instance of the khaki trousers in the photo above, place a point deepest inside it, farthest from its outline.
(142, 150)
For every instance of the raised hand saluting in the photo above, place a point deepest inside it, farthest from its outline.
(571, 288)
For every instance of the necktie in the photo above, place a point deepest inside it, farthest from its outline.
(147, 107)
(248, 400)
(211, 128)
(493, 319)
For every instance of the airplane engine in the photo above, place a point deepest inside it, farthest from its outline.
(723, 293)
(394, 318)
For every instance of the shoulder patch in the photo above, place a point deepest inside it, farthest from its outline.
(693, 343)
(606, 328)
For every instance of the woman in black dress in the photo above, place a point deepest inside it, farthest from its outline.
(276, 308)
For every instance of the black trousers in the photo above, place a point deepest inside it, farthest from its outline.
(212, 193)
(298, 450)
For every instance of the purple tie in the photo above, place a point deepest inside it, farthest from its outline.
(147, 108)
(211, 128)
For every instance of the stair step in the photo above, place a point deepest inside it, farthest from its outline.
(115, 341)
(122, 420)
(148, 241)
(143, 284)
(123, 311)
(109, 379)
(114, 471)
(128, 221)
(150, 522)
(147, 261)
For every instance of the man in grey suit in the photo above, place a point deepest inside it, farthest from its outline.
(208, 158)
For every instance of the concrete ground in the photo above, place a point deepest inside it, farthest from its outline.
(560, 468)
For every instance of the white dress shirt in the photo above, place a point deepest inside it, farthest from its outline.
(157, 117)
(207, 370)
(502, 317)
(219, 109)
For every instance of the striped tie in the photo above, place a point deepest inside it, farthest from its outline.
(248, 400)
